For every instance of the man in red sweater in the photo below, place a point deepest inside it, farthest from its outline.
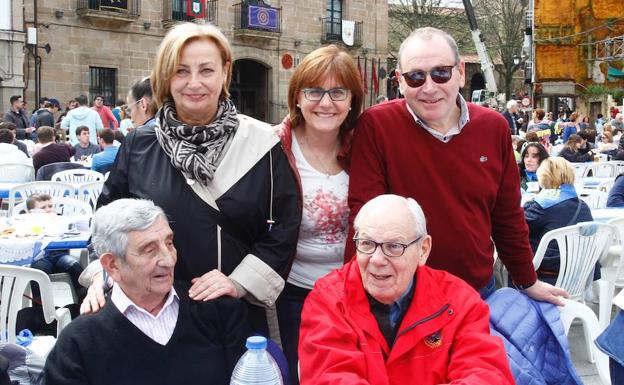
(108, 119)
(455, 159)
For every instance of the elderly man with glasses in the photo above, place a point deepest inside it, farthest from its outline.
(386, 318)
(455, 159)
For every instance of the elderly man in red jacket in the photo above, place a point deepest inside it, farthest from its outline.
(386, 318)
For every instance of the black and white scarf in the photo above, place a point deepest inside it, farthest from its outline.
(196, 150)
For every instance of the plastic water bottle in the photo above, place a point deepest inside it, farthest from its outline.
(256, 366)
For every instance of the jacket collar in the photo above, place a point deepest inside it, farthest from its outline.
(428, 312)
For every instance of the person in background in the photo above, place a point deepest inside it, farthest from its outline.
(11, 127)
(125, 124)
(616, 194)
(84, 147)
(571, 153)
(54, 261)
(599, 124)
(17, 115)
(119, 106)
(222, 178)
(141, 104)
(325, 98)
(82, 116)
(570, 128)
(45, 116)
(150, 331)
(606, 145)
(103, 161)
(618, 121)
(583, 123)
(387, 318)
(50, 151)
(557, 205)
(9, 152)
(436, 136)
(515, 139)
(532, 156)
(108, 119)
(513, 118)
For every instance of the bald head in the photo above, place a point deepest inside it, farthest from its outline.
(394, 207)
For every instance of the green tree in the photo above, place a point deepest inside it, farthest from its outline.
(502, 23)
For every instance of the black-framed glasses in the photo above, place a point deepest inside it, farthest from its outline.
(390, 249)
(337, 94)
(439, 74)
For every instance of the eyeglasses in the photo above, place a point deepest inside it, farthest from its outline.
(128, 106)
(417, 78)
(336, 94)
(390, 249)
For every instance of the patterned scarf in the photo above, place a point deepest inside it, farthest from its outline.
(196, 150)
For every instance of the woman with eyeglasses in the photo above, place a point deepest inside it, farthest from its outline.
(325, 98)
(221, 177)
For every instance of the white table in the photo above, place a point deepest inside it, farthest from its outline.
(604, 215)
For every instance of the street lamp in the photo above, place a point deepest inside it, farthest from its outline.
(516, 60)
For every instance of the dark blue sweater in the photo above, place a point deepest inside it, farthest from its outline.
(616, 194)
(106, 348)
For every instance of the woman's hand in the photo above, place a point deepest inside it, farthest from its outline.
(211, 285)
(94, 300)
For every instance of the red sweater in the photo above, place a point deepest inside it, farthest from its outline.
(107, 117)
(468, 188)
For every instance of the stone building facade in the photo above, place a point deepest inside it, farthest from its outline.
(103, 46)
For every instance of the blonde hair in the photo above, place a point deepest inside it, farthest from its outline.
(314, 69)
(170, 49)
(555, 171)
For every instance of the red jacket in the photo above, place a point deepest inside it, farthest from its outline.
(107, 117)
(444, 337)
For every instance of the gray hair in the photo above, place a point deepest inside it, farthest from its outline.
(427, 33)
(511, 103)
(420, 222)
(112, 224)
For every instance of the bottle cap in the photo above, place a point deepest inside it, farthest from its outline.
(256, 342)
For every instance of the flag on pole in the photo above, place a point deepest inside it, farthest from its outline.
(196, 8)
(375, 79)
(364, 76)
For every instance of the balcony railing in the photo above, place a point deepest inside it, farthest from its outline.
(179, 10)
(332, 31)
(128, 10)
(257, 18)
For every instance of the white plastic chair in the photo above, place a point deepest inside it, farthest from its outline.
(580, 170)
(16, 172)
(605, 186)
(62, 206)
(77, 176)
(14, 283)
(612, 272)
(572, 310)
(602, 169)
(594, 198)
(90, 192)
(54, 189)
(580, 247)
(619, 166)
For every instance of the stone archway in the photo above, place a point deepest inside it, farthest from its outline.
(249, 88)
(477, 82)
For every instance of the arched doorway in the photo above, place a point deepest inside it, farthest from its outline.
(249, 88)
(477, 82)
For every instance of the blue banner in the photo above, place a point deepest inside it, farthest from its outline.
(263, 17)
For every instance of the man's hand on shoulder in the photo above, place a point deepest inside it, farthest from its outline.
(542, 291)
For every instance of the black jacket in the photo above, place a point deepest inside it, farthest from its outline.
(202, 233)
(575, 157)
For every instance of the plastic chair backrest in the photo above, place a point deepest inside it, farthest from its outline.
(606, 185)
(45, 172)
(62, 206)
(580, 247)
(90, 192)
(16, 172)
(594, 198)
(580, 170)
(602, 169)
(14, 280)
(619, 166)
(77, 176)
(618, 224)
(54, 189)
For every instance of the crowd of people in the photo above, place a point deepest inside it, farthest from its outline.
(362, 242)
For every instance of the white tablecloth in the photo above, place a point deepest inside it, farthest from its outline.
(604, 215)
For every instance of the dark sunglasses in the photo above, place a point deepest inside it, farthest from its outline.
(417, 78)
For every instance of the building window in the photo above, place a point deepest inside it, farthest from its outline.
(179, 11)
(103, 81)
(334, 18)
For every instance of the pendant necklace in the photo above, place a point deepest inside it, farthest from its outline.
(326, 170)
